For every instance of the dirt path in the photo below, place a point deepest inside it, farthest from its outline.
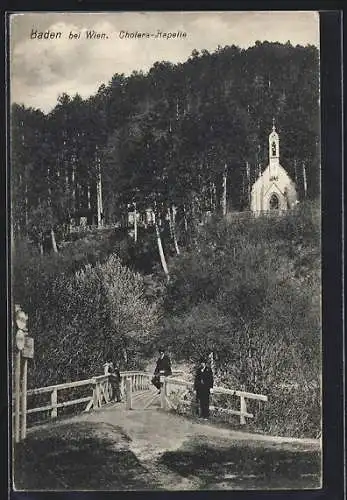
(154, 434)
(154, 429)
(116, 449)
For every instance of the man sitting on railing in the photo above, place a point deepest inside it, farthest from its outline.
(162, 369)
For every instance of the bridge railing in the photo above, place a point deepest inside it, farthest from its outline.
(97, 391)
(170, 382)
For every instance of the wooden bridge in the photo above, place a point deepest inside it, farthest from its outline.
(147, 441)
(136, 391)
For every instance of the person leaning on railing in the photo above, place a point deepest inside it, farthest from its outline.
(115, 380)
(162, 369)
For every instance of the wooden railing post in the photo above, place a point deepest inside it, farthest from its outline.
(24, 399)
(122, 386)
(108, 390)
(163, 394)
(54, 400)
(17, 395)
(95, 395)
(98, 391)
(243, 410)
(128, 393)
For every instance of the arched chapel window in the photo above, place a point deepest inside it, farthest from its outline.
(273, 149)
(274, 202)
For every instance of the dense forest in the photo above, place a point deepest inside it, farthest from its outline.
(167, 139)
(246, 289)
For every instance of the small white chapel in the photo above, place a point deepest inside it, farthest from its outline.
(273, 191)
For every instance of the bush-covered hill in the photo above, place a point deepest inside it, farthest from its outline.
(250, 292)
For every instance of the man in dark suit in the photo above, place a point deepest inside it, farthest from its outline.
(203, 383)
(163, 368)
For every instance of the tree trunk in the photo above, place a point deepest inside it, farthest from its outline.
(213, 197)
(170, 222)
(305, 179)
(160, 248)
(73, 187)
(185, 218)
(145, 222)
(88, 197)
(248, 172)
(135, 223)
(99, 199)
(224, 192)
(295, 174)
(211, 360)
(172, 228)
(192, 205)
(54, 243)
(26, 209)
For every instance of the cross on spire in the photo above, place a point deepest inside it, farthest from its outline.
(273, 124)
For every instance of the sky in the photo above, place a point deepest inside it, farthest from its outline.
(42, 69)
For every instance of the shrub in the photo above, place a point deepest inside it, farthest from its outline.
(80, 319)
(250, 292)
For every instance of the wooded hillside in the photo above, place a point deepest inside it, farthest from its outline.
(166, 138)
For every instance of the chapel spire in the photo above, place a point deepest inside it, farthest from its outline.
(274, 151)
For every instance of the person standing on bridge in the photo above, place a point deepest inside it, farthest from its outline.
(163, 368)
(115, 380)
(203, 383)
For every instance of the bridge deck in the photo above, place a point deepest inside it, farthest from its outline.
(116, 449)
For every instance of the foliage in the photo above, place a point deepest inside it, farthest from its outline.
(167, 136)
(79, 319)
(250, 293)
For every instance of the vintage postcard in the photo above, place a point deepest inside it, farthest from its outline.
(166, 257)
